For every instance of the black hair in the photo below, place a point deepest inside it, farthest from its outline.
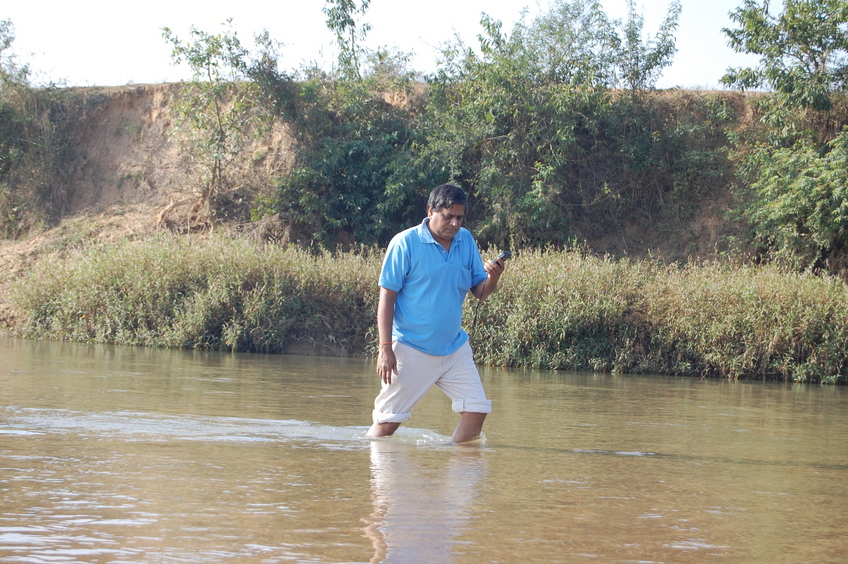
(446, 196)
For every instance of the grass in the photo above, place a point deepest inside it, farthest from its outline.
(556, 310)
(214, 293)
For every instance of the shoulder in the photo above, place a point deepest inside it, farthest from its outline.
(467, 240)
(465, 234)
(404, 239)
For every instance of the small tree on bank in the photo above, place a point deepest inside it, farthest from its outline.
(217, 112)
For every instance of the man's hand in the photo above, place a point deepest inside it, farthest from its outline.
(386, 364)
(494, 268)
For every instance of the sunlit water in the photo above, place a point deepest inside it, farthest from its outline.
(114, 454)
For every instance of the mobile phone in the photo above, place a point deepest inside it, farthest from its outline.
(503, 256)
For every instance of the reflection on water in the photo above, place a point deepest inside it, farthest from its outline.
(422, 500)
(111, 454)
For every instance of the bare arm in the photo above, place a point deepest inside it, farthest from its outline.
(386, 361)
(494, 268)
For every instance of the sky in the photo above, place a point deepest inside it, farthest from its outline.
(108, 43)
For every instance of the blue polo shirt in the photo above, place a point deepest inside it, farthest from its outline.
(431, 283)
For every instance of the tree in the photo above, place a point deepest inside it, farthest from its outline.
(793, 181)
(574, 42)
(803, 51)
(531, 124)
(801, 216)
(577, 43)
(641, 61)
(342, 20)
(217, 111)
(351, 179)
(33, 144)
(11, 73)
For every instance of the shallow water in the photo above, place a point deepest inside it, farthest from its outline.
(114, 454)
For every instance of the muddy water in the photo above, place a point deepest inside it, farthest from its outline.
(114, 454)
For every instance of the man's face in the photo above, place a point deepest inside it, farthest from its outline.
(445, 223)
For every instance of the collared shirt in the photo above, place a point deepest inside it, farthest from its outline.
(431, 283)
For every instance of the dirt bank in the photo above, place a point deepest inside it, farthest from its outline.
(125, 169)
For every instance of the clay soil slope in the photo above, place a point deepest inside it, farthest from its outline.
(125, 169)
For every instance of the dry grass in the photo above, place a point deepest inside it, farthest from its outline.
(557, 310)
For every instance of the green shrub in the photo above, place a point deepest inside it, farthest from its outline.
(563, 310)
(742, 321)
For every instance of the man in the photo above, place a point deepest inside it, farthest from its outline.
(427, 273)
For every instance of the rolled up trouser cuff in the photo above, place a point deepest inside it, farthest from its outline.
(471, 406)
(380, 417)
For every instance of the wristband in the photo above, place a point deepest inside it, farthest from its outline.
(389, 343)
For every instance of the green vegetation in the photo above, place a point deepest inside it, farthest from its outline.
(555, 130)
(216, 293)
(551, 150)
(578, 312)
(530, 125)
(555, 309)
(354, 177)
(217, 113)
(35, 129)
(559, 136)
(792, 168)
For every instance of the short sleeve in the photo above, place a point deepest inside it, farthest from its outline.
(395, 265)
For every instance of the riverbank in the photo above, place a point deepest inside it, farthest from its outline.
(558, 310)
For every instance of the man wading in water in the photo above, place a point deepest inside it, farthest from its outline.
(427, 272)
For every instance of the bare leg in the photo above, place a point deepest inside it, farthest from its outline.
(470, 426)
(382, 429)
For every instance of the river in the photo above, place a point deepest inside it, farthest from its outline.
(121, 454)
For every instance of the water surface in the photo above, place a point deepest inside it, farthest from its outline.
(115, 454)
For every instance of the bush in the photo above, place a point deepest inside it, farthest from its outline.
(35, 128)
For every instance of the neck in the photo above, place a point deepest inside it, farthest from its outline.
(446, 243)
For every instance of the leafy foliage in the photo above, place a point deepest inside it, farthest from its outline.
(347, 181)
(35, 126)
(531, 124)
(217, 111)
(353, 179)
(804, 219)
(574, 43)
(792, 185)
(342, 20)
(641, 61)
(10, 71)
(803, 51)
(556, 310)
